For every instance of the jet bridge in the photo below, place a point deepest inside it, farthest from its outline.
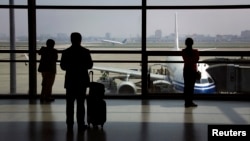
(230, 78)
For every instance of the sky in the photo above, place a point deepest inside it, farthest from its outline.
(127, 23)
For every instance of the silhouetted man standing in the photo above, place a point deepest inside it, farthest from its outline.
(76, 60)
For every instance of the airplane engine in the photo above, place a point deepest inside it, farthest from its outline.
(126, 87)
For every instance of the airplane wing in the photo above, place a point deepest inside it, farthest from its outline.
(130, 73)
(115, 42)
(206, 49)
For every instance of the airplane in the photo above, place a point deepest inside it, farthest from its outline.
(115, 42)
(172, 80)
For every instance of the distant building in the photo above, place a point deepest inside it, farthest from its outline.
(158, 34)
(62, 37)
(108, 35)
(245, 35)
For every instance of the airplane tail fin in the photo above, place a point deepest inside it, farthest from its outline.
(124, 41)
(176, 34)
(26, 56)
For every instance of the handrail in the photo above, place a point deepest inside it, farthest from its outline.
(149, 53)
(139, 7)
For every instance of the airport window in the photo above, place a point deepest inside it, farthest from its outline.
(101, 29)
(210, 29)
(133, 36)
(20, 29)
(14, 72)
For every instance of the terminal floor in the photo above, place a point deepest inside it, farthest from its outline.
(127, 120)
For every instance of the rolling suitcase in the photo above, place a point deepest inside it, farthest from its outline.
(96, 106)
(96, 89)
(96, 112)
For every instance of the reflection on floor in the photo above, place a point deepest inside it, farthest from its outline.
(127, 120)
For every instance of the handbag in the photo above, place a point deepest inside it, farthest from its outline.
(198, 75)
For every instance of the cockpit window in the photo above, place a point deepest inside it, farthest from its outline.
(202, 81)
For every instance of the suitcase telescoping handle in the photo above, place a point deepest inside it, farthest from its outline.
(91, 74)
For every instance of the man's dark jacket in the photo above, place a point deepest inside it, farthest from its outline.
(76, 60)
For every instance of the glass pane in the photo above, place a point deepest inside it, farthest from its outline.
(112, 75)
(197, 2)
(20, 27)
(22, 77)
(5, 26)
(213, 28)
(18, 79)
(58, 87)
(88, 2)
(4, 75)
(99, 28)
(20, 2)
(231, 74)
(16, 2)
(4, 2)
(219, 75)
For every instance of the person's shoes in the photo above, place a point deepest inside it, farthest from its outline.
(46, 100)
(191, 105)
(42, 100)
(82, 128)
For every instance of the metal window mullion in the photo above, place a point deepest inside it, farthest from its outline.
(12, 47)
(32, 48)
(144, 56)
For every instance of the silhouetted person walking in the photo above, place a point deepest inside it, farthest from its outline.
(47, 67)
(76, 60)
(190, 57)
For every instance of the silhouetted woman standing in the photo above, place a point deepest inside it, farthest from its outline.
(47, 67)
(190, 57)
